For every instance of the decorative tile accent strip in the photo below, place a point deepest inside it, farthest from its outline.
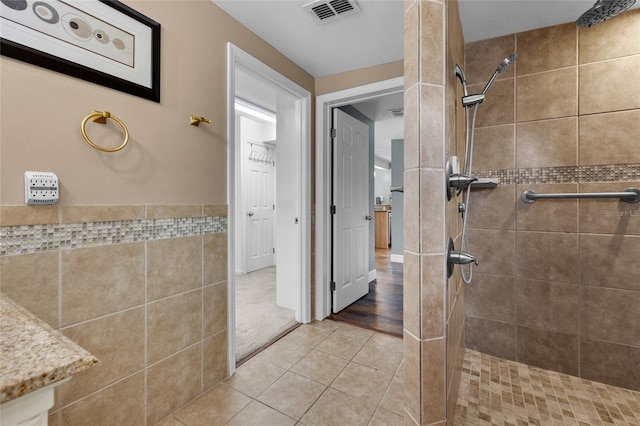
(38, 238)
(573, 174)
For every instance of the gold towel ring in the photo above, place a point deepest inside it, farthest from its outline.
(101, 118)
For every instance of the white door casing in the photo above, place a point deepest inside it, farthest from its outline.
(237, 58)
(259, 193)
(324, 104)
(351, 219)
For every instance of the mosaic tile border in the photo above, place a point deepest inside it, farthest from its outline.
(572, 174)
(24, 239)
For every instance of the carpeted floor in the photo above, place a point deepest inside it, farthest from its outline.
(258, 319)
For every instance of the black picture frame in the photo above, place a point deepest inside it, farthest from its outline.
(14, 48)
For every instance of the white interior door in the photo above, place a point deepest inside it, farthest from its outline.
(351, 218)
(288, 209)
(260, 202)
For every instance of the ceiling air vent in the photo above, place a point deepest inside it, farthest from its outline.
(325, 11)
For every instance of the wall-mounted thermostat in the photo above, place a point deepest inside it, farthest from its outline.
(40, 188)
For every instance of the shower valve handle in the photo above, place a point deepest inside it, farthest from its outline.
(460, 181)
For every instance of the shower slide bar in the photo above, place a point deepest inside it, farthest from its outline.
(630, 195)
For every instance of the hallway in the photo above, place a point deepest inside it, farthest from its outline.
(381, 308)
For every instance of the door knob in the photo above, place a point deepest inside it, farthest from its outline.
(250, 214)
(367, 217)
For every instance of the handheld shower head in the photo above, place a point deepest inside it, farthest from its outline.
(603, 10)
(463, 80)
(506, 63)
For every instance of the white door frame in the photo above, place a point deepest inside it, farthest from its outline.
(237, 57)
(324, 103)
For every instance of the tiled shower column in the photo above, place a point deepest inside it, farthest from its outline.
(431, 313)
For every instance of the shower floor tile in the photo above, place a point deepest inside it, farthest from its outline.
(494, 391)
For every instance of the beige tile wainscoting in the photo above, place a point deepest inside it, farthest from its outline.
(143, 288)
(558, 285)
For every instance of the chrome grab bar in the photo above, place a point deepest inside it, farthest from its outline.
(630, 195)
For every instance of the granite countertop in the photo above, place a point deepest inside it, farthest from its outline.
(33, 354)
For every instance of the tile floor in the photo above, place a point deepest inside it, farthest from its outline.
(325, 373)
(494, 391)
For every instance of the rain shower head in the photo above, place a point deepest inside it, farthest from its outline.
(603, 10)
(506, 63)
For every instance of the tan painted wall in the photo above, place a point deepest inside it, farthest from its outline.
(167, 161)
(359, 77)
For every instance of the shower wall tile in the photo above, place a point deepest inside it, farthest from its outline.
(432, 211)
(548, 305)
(433, 386)
(609, 216)
(173, 382)
(411, 44)
(547, 49)
(412, 224)
(610, 363)
(411, 293)
(28, 215)
(608, 86)
(491, 297)
(432, 296)
(482, 57)
(610, 138)
(496, 206)
(610, 39)
(551, 94)
(214, 258)
(117, 341)
(547, 143)
(610, 261)
(611, 314)
(491, 337)
(547, 256)
(99, 280)
(494, 148)
(171, 211)
(119, 404)
(34, 288)
(498, 106)
(495, 251)
(547, 215)
(411, 121)
(412, 375)
(432, 42)
(431, 126)
(214, 362)
(81, 214)
(546, 349)
(214, 315)
(173, 266)
(173, 324)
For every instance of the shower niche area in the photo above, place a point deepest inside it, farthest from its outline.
(557, 285)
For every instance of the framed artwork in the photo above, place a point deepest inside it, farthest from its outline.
(102, 41)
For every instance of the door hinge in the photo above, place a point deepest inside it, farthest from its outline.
(332, 286)
(333, 209)
(334, 133)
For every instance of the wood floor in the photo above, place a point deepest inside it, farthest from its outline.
(381, 309)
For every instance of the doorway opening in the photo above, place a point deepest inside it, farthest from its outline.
(324, 161)
(268, 191)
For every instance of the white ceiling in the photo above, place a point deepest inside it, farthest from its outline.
(375, 35)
